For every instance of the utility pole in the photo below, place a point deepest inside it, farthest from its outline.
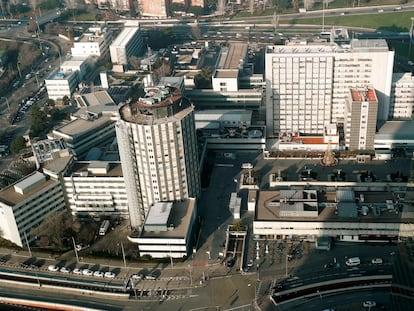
(76, 251)
(27, 243)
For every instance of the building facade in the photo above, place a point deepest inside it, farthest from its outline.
(25, 204)
(402, 96)
(96, 188)
(94, 43)
(61, 84)
(158, 150)
(361, 119)
(307, 83)
(128, 43)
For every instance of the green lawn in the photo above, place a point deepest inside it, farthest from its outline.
(395, 21)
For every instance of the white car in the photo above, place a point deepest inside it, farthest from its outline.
(109, 275)
(138, 276)
(151, 277)
(98, 274)
(77, 271)
(53, 268)
(64, 270)
(369, 304)
(377, 261)
(87, 272)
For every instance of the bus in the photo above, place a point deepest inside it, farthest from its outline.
(104, 227)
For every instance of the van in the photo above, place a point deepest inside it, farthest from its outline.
(353, 261)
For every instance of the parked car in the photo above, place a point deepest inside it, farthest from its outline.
(138, 276)
(230, 262)
(87, 272)
(53, 268)
(64, 270)
(77, 271)
(109, 275)
(98, 274)
(151, 277)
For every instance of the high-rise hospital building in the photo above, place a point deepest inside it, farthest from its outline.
(307, 83)
(158, 150)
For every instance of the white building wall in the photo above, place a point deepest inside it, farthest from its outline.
(30, 212)
(96, 195)
(402, 97)
(8, 225)
(225, 84)
(307, 85)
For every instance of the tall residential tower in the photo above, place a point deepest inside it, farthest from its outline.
(308, 82)
(158, 150)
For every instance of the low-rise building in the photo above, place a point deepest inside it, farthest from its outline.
(95, 42)
(342, 214)
(96, 188)
(168, 230)
(61, 84)
(25, 204)
(128, 43)
(92, 126)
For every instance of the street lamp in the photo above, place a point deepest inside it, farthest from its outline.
(411, 37)
(287, 259)
(7, 102)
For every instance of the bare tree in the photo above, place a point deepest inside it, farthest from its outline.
(135, 62)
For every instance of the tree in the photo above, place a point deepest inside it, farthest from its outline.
(55, 229)
(196, 10)
(203, 79)
(38, 121)
(161, 68)
(135, 62)
(17, 144)
(109, 66)
(66, 100)
(50, 102)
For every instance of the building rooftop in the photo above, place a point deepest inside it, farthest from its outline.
(95, 98)
(268, 208)
(366, 95)
(221, 73)
(180, 217)
(79, 127)
(396, 130)
(88, 169)
(125, 36)
(38, 182)
(233, 56)
(159, 214)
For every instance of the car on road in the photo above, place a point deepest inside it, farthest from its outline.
(138, 276)
(353, 261)
(109, 275)
(369, 304)
(77, 271)
(53, 268)
(87, 272)
(98, 274)
(377, 261)
(329, 265)
(64, 270)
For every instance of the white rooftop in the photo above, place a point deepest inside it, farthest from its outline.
(125, 36)
(159, 213)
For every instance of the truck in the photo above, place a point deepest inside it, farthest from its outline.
(104, 227)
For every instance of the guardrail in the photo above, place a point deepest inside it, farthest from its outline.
(317, 289)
